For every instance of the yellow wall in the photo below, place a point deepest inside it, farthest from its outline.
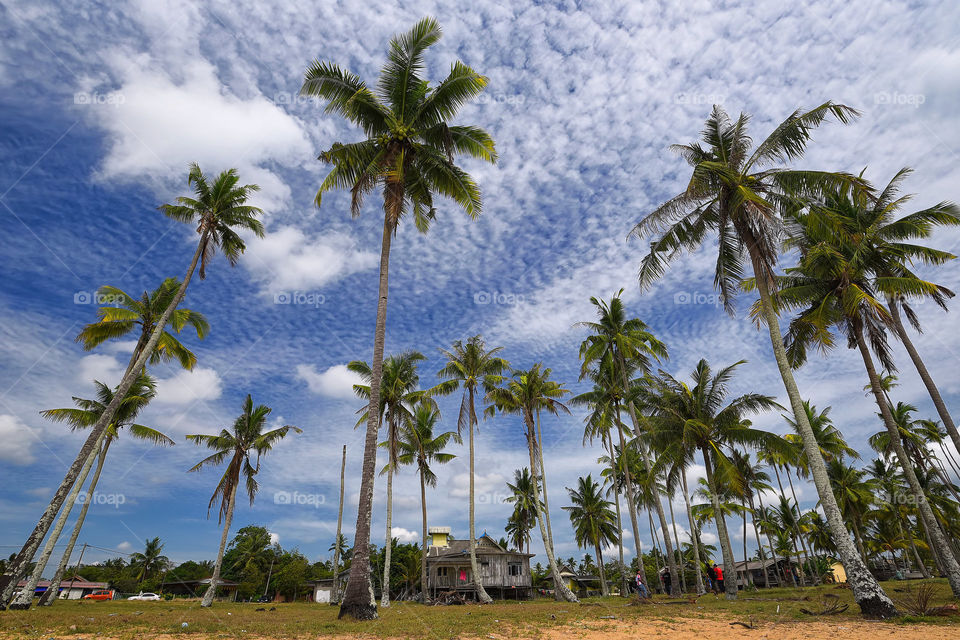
(838, 572)
(438, 540)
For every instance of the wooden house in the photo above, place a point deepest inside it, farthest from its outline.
(504, 574)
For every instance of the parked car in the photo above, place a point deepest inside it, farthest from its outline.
(144, 596)
(101, 594)
(264, 599)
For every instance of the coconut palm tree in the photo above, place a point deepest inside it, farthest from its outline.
(741, 195)
(855, 493)
(630, 347)
(150, 561)
(525, 394)
(474, 368)
(241, 447)
(889, 489)
(594, 522)
(754, 479)
(398, 394)
(418, 444)
(218, 210)
(700, 419)
(408, 152)
(833, 287)
(522, 496)
(339, 543)
(84, 415)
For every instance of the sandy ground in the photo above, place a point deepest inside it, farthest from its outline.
(674, 629)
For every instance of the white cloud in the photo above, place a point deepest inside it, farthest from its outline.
(274, 538)
(404, 535)
(100, 367)
(489, 488)
(335, 382)
(189, 386)
(125, 546)
(17, 439)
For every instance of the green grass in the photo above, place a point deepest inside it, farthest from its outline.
(128, 620)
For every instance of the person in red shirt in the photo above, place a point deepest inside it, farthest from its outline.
(718, 577)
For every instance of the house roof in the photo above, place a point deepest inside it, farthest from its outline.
(457, 549)
(221, 582)
(69, 583)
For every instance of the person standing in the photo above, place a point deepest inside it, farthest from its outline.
(667, 582)
(718, 577)
(642, 590)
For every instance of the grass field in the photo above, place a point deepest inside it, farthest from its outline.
(594, 617)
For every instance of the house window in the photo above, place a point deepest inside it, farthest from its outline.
(484, 568)
(515, 569)
(442, 572)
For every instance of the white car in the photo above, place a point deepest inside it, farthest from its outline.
(144, 596)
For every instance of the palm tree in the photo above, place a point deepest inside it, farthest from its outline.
(523, 495)
(741, 195)
(855, 493)
(408, 152)
(246, 440)
(594, 522)
(216, 210)
(525, 394)
(419, 445)
(472, 367)
(85, 414)
(833, 287)
(696, 419)
(630, 347)
(398, 392)
(150, 561)
(754, 479)
(889, 487)
(339, 542)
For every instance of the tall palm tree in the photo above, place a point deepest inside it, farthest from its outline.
(474, 368)
(855, 493)
(741, 195)
(889, 487)
(242, 447)
(398, 394)
(418, 444)
(700, 419)
(85, 414)
(833, 286)
(217, 210)
(593, 520)
(754, 479)
(150, 560)
(524, 394)
(630, 347)
(408, 152)
(522, 496)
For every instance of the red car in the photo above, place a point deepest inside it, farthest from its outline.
(102, 594)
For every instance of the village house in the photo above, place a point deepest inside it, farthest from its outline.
(504, 574)
(70, 588)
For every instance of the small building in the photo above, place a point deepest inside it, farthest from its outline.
(504, 574)
(70, 589)
(582, 584)
(226, 589)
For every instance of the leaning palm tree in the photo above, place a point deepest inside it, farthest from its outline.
(398, 393)
(150, 560)
(247, 440)
(418, 444)
(699, 419)
(741, 195)
(833, 287)
(525, 394)
(474, 368)
(630, 347)
(83, 415)
(218, 210)
(593, 520)
(408, 152)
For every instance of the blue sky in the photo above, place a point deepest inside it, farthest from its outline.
(104, 105)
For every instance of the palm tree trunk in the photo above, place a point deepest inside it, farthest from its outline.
(423, 553)
(357, 603)
(604, 589)
(906, 533)
(627, 485)
(773, 551)
(676, 540)
(746, 571)
(694, 537)
(624, 587)
(211, 591)
(481, 593)
(928, 382)
(729, 568)
(796, 523)
(388, 545)
(18, 566)
(867, 593)
(560, 589)
(756, 534)
(543, 476)
(50, 595)
(926, 513)
(336, 544)
(25, 599)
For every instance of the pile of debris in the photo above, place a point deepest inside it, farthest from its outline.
(449, 597)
